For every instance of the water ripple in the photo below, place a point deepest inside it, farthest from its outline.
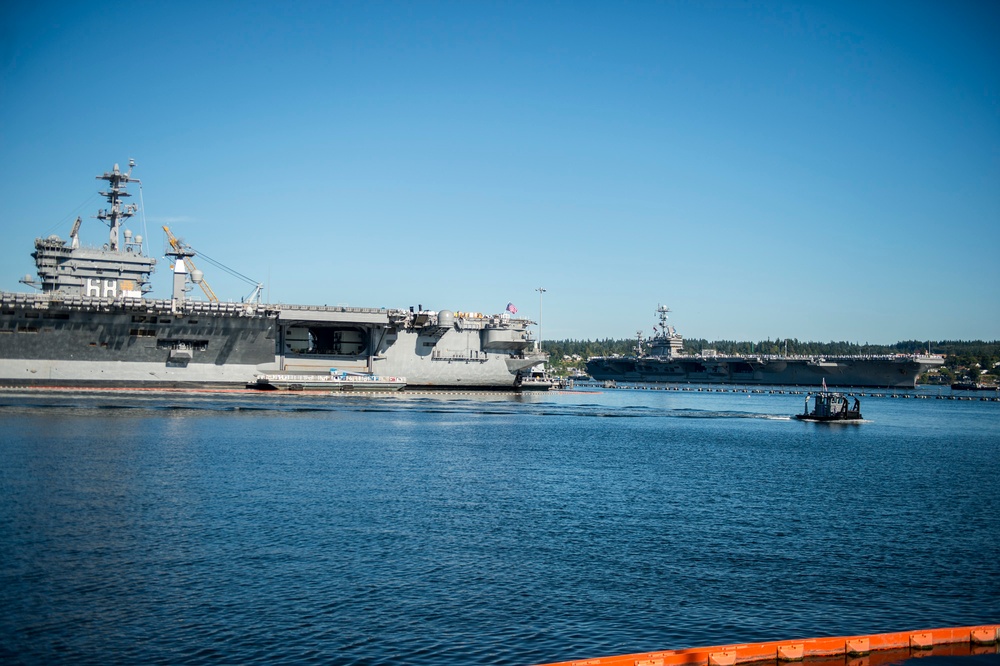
(481, 530)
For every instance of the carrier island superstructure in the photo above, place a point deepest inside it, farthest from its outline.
(90, 323)
(662, 359)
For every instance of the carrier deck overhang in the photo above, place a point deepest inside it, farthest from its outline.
(317, 314)
(431, 349)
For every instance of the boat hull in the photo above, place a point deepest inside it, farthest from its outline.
(135, 342)
(886, 372)
(851, 417)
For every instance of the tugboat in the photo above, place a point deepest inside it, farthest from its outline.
(831, 407)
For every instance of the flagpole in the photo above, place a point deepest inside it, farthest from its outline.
(540, 291)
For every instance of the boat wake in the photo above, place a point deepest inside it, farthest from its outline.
(96, 402)
(712, 414)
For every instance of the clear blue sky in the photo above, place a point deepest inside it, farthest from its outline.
(821, 171)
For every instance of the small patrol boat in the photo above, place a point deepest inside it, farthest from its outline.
(829, 407)
(334, 381)
(537, 380)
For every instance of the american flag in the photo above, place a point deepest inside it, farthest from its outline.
(511, 309)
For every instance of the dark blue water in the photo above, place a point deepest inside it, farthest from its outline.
(489, 529)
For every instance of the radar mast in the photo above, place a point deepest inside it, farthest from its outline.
(116, 191)
(663, 312)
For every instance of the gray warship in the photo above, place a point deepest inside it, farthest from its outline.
(662, 359)
(91, 322)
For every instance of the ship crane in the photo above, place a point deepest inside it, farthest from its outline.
(181, 250)
(74, 235)
(185, 253)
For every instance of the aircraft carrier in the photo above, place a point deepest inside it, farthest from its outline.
(662, 359)
(90, 323)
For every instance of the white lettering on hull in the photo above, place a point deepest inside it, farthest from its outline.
(102, 288)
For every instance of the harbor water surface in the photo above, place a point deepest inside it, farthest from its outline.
(466, 529)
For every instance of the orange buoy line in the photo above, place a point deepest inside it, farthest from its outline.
(866, 650)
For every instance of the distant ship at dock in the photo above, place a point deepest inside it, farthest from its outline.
(662, 359)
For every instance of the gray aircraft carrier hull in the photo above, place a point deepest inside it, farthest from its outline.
(886, 372)
(92, 325)
(50, 341)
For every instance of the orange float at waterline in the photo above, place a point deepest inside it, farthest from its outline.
(867, 650)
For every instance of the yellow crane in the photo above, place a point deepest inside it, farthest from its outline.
(180, 247)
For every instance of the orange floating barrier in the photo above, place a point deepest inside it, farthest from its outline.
(868, 650)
